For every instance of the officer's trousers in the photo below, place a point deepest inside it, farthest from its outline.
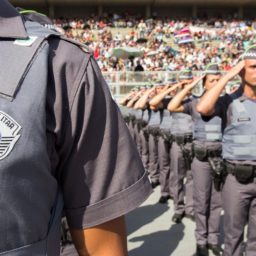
(179, 190)
(144, 149)
(239, 203)
(153, 167)
(207, 204)
(166, 177)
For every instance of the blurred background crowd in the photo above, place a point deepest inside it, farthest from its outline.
(161, 44)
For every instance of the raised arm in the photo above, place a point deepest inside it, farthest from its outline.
(142, 102)
(136, 97)
(206, 105)
(156, 100)
(126, 98)
(175, 105)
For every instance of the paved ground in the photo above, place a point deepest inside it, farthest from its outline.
(151, 232)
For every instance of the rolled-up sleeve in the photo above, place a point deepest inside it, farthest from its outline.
(102, 176)
(188, 108)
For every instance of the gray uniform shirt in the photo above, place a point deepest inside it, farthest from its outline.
(190, 109)
(92, 154)
(224, 107)
(182, 122)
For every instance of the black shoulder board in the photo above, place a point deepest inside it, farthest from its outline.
(84, 47)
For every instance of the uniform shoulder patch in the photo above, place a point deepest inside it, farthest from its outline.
(26, 42)
(9, 134)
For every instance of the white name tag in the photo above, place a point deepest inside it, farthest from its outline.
(26, 42)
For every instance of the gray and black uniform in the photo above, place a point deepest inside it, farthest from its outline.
(239, 191)
(153, 130)
(207, 136)
(131, 123)
(164, 151)
(137, 128)
(182, 141)
(62, 136)
(144, 138)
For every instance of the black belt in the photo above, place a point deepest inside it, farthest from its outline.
(244, 173)
(166, 135)
(183, 139)
(154, 130)
(202, 153)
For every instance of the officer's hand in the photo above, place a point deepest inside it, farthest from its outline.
(152, 94)
(184, 82)
(148, 91)
(195, 82)
(153, 89)
(236, 70)
(168, 86)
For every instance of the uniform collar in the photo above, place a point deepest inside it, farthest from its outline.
(240, 94)
(11, 23)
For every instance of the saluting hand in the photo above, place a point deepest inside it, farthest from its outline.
(148, 91)
(184, 82)
(195, 82)
(236, 70)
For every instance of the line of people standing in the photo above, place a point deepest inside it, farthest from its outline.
(194, 151)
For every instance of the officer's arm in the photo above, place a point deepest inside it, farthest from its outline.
(124, 100)
(206, 105)
(175, 105)
(137, 103)
(155, 101)
(107, 239)
(153, 108)
(133, 100)
(142, 102)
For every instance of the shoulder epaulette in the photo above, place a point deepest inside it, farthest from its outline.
(84, 47)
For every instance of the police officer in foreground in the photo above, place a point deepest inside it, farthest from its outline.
(207, 135)
(56, 118)
(239, 153)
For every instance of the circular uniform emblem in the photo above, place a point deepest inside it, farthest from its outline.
(9, 134)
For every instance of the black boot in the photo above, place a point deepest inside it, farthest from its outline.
(163, 199)
(177, 218)
(216, 249)
(202, 250)
(190, 216)
(154, 184)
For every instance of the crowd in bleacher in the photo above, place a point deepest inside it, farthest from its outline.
(215, 40)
